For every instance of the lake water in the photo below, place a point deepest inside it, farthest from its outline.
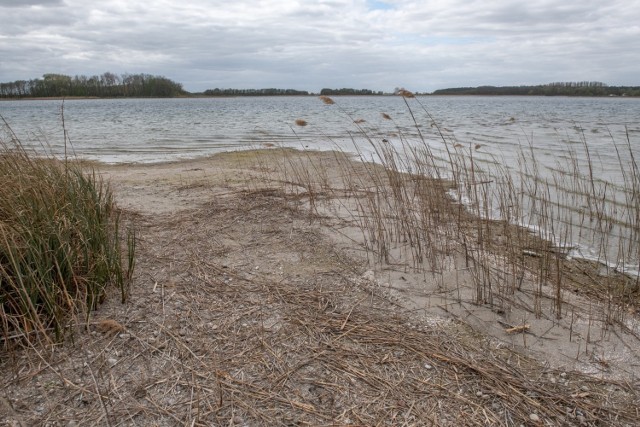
(152, 130)
(599, 135)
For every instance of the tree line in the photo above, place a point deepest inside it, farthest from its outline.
(289, 92)
(348, 91)
(106, 85)
(255, 92)
(585, 88)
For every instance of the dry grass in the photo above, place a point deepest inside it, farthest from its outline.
(218, 334)
(247, 312)
(403, 203)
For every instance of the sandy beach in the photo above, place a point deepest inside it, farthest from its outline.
(255, 301)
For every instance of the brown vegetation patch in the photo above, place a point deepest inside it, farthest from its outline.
(245, 311)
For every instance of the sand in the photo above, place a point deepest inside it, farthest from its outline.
(254, 302)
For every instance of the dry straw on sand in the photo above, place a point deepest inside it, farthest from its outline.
(279, 287)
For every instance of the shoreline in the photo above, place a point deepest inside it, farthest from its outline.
(631, 271)
(266, 165)
(259, 298)
(574, 250)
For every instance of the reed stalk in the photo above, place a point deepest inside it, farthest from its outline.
(445, 204)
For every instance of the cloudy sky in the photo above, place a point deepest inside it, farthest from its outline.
(422, 45)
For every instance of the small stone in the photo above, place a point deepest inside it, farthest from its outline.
(479, 393)
(237, 420)
(112, 361)
(151, 340)
(563, 375)
(369, 275)
(534, 417)
(125, 336)
(427, 366)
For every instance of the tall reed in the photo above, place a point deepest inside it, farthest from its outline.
(450, 205)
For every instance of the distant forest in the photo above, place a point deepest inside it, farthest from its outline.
(285, 92)
(254, 92)
(551, 89)
(348, 91)
(107, 85)
(110, 85)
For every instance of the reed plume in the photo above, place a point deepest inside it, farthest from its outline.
(327, 100)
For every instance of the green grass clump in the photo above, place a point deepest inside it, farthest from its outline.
(60, 244)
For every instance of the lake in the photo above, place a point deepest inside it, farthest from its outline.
(550, 137)
(153, 130)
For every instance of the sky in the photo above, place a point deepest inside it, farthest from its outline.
(309, 45)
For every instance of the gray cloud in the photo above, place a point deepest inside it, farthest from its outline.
(29, 3)
(423, 45)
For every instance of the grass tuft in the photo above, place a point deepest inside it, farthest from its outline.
(60, 244)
